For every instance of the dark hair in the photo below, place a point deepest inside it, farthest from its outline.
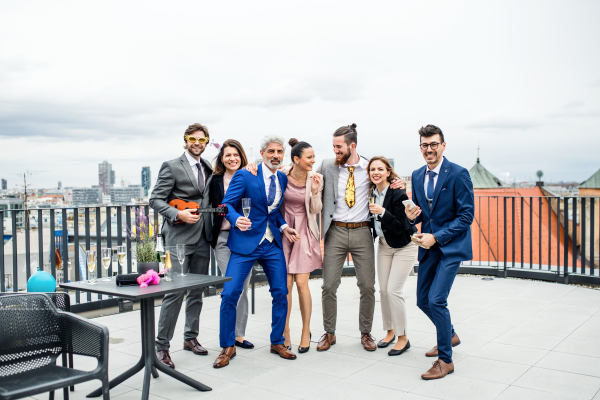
(430, 130)
(219, 166)
(297, 148)
(349, 133)
(388, 166)
(195, 128)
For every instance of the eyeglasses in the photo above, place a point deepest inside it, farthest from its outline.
(433, 145)
(194, 140)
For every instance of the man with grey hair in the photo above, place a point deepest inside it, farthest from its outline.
(253, 208)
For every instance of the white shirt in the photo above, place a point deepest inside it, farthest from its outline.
(360, 211)
(379, 198)
(267, 178)
(435, 178)
(193, 163)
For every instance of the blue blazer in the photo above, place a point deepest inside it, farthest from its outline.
(245, 185)
(452, 210)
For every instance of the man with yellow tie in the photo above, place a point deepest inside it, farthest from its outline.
(345, 228)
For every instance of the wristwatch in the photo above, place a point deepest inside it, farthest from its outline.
(435, 238)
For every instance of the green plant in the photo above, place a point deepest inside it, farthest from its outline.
(143, 236)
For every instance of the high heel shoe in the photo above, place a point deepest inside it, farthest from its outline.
(305, 349)
(393, 352)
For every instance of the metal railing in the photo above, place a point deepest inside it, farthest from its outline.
(549, 238)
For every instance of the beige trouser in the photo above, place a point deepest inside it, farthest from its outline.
(393, 268)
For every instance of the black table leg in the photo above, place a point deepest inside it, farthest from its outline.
(149, 359)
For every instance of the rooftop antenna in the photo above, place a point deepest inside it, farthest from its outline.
(477, 152)
(24, 175)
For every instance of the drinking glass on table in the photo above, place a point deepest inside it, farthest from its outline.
(106, 260)
(91, 267)
(121, 253)
(168, 271)
(246, 208)
(181, 257)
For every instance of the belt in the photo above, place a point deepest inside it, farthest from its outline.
(350, 225)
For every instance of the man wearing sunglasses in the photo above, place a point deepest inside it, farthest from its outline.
(186, 178)
(443, 194)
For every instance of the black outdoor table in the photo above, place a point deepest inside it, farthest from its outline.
(146, 296)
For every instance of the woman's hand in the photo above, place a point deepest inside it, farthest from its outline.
(376, 209)
(412, 214)
(291, 234)
(316, 182)
(252, 168)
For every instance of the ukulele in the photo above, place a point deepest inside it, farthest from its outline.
(190, 205)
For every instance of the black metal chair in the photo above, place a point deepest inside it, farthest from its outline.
(33, 333)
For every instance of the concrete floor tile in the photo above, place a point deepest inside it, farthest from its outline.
(489, 370)
(392, 376)
(456, 387)
(528, 338)
(249, 392)
(518, 393)
(240, 369)
(566, 383)
(349, 389)
(509, 353)
(293, 382)
(577, 364)
(585, 347)
(588, 329)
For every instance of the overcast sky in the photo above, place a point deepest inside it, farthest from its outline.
(83, 82)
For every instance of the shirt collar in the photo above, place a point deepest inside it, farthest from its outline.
(267, 172)
(436, 169)
(191, 159)
(362, 163)
(383, 192)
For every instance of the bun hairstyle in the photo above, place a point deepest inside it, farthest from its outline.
(349, 132)
(297, 148)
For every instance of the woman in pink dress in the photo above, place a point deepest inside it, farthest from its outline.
(301, 203)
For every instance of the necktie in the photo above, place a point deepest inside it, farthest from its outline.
(200, 178)
(430, 184)
(350, 190)
(272, 190)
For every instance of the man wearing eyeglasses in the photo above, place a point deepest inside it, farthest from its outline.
(186, 178)
(443, 194)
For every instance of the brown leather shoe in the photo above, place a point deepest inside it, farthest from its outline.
(283, 351)
(195, 347)
(226, 354)
(434, 352)
(438, 370)
(368, 342)
(326, 341)
(165, 358)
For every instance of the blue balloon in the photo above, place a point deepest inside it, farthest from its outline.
(41, 281)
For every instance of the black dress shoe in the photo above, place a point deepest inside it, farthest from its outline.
(383, 345)
(304, 349)
(393, 352)
(244, 345)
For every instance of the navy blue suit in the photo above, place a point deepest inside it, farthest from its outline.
(449, 219)
(246, 248)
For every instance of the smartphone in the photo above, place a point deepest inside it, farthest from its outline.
(407, 202)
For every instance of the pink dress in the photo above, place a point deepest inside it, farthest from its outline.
(304, 256)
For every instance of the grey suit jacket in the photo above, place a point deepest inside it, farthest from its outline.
(331, 175)
(176, 180)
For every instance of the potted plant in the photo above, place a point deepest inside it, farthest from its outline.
(142, 235)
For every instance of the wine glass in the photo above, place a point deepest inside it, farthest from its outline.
(168, 271)
(121, 253)
(372, 201)
(181, 257)
(106, 254)
(163, 258)
(91, 266)
(246, 208)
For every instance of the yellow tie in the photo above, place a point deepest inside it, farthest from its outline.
(350, 190)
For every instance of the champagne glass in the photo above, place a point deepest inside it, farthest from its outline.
(246, 208)
(91, 266)
(121, 253)
(181, 257)
(168, 271)
(163, 258)
(372, 201)
(106, 259)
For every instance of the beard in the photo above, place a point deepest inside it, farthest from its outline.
(195, 151)
(343, 159)
(270, 164)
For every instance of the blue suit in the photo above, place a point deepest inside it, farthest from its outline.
(246, 248)
(449, 219)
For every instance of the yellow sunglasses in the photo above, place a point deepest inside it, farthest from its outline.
(195, 140)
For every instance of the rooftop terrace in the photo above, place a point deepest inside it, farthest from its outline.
(521, 339)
